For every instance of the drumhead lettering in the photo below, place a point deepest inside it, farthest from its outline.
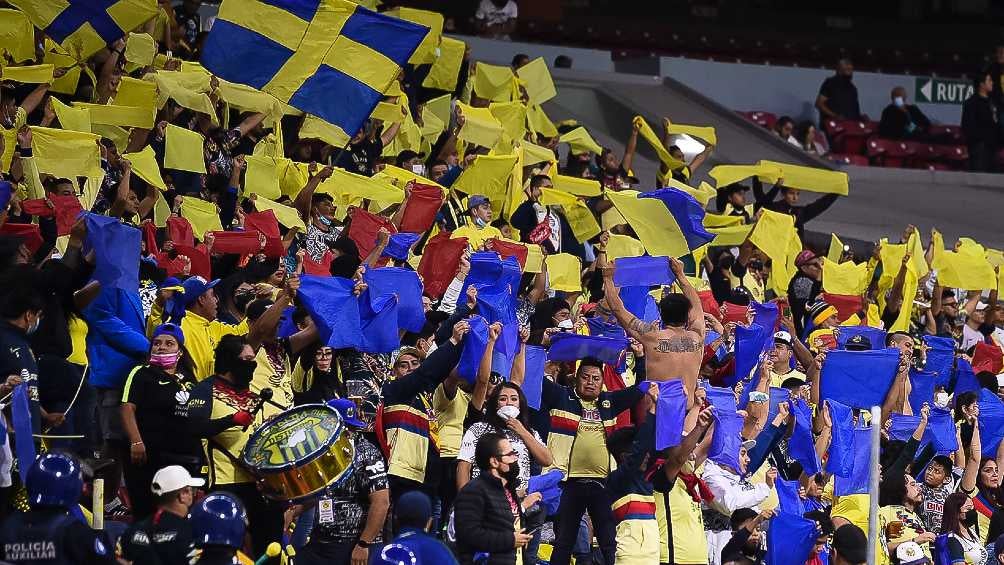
(291, 437)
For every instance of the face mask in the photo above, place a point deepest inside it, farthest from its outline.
(242, 299)
(325, 221)
(164, 360)
(508, 412)
(941, 399)
(418, 170)
(243, 371)
(566, 324)
(969, 519)
(898, 101)
(480, 223)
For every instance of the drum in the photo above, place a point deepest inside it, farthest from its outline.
(299, 452)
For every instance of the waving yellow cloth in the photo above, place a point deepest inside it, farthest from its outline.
(71, 118)
(135, 92)
(29, 74)
(480, 127)
(811, 178)
(655, 226)
(183, 150)
(512, 116)
(623, 246)
(580, 141)
(836, 250)
(446, 67)
(488, 176)
(564, 272)
(316, 128)
(144, 164)
(730, 236)
(704, 133)
(775, 235)
(17, 35)
(725, 175)
(539, 84)
(426, 51)
(122, 116)
(494, 82)
(286, 215)
(577, 186)
(845, 278)
(668, 161)
(66, 153)
(967, 267)
(201, 214)
(580, 218)
(261, 176)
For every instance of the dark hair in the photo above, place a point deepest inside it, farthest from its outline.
(674, 308)
(257, 307)
(589, 362)
(802, 130)
(784, 120)
(518, 57)
(319, 197)
(891, 337)
(562, 62)
(992, 494)
(619, 443)
(947, 293)
(953, 512)
(740, 516)
(979, 78)
(228, 352)
(492, 407)
(892, 490)
(944, 462)
(488, 447)
(537, 180)
(19, 292)
(987, 380)
(964, 399)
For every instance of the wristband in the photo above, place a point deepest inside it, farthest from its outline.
(363, 544)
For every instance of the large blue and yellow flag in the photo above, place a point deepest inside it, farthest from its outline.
(330, 58)
(84, 27)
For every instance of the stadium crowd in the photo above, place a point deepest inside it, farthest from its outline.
(528, 360)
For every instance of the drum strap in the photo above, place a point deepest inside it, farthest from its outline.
(433, 421)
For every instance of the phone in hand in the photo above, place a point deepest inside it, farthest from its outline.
(530, 532)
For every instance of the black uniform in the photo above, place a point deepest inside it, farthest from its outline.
(16, 356)
(162, 539)
(51, 536)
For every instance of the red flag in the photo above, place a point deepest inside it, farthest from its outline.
(613, 382)
(240, 242)
(322, 268)
(988, 357)
(174, 267)
(440, 262)
(199, 258)
(363, 230)
(150, 237)
(847, 305)
(735, 313)
(266, 223)
(422, 207)
(37, 207)
(67, 210)
(30, 235)
(507, 249)
(709, 304)
(180, 231)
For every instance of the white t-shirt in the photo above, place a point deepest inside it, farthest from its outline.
(493, 15)
(970, 337)
(470, 442)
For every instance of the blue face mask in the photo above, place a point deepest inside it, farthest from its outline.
(480, 223)
(324, 220)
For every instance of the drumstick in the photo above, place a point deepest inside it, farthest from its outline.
(273, 550)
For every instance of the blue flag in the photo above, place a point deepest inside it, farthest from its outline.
(765, 315)
(399, 245)
(940, 431)
(598, 327)
(857, 482)
(643, 271)
(860, 379)
(334, 309)
(876, 336)
(473, 349)
(991, 422)
(751, 346)
(116, 251)
(787, 496)
(965, 378)
(24, 443)
(940, 354)
(639, 302)
(921, 388)
(405, 284)
(533, 375)
(841, 453)
(670, 412)
(726, 438)
(378, 323)
(688, 213)
(549, 486)
(572, 347)
(287, 326)
(801, 446)
(5, 192)
(791, 539)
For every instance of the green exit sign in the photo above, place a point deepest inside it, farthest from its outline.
(942, 91)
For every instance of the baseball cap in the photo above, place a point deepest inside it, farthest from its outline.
(347, 410)
(858, 343)
(197, 286)
(910, 553)
(1000, 380)
(981, 305)
(475, 200)
(783, 337)
(804, 257)
(414, 507)
(851, 542)
(172, 478)
(748, 444)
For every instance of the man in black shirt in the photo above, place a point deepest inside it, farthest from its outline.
(901, 120)
(838, 97)
(166, 536)
(363, 150)
(979, 124)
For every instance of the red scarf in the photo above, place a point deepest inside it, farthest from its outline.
(696, 488)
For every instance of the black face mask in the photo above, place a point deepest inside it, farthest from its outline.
(969, 519)
(512, 475)
(243, 371)
(242, 299)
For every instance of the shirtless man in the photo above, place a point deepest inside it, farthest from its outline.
(674, 348)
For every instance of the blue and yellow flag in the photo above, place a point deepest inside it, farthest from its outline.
(330, 58)
(84, 27)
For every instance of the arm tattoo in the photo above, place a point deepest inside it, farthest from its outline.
(639, 326)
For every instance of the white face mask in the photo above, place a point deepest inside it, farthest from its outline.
(508, 412)
(418, 169)
(898, 101)
(941, 399)
(566, 324)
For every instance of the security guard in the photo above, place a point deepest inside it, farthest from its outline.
(48, 534)
(218, 523)
(166, 536)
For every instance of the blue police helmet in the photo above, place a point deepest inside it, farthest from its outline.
(55, 479)
(218, 519)
(396, 554)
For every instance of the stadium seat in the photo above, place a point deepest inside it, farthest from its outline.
(889, 152)
(955, 156)
(952, 134)
(844, 159)
(762, 119)
(925, 155)
(848, 136)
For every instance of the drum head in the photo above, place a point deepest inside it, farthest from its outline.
(292, 438)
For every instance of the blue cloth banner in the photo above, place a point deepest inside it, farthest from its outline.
(399, 246)
(860, 379)
(857, 482)
(776, 396)
(643, 271)
(751, 346)
(791, 539)
(639, 302)
(600, 328)
(116, 249)
(726, 439)
(940, 353)
(921, 388)
(765, 315)
(572, 347)
(334, 309)
(287, 326)
(549, 486)
(841, 453)
(940, 431)
(787, 496)
(801, 446)
(876, 336)
(991, 422)
(688, 213)
(24, 443)
(378, 317)
(533, 375)
(473, 348)
(965, 379)
(670, 411)
(403, 283)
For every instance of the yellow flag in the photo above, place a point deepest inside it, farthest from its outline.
(704, 133)
(580, 218)
(262, 176)
(892, 258)
(140, 49)
(67, 84)
(426, 51)
(161, 211)
(493, 82)
(488, 176)
(645, 130)
(577, 186)
(250, 99)
(539, 122)
(201, 214)
(996, 259)
(183, 150)
(446, 68)
(118, 136)
(316, 128)
(189, 90)
(512, 116)
(533, 153)
(845, 278)
(967, 267)
(623, 246)
(144, 165)
(400, 177)
(347, 188)
(564, 272)
(721, 221)
(811, 178)
(534, 259)
(730, 236)
(480, 127)
(580, 141)
(30, 74)
(440, 106)
(387, 112)
(286, 215)
(703, 193)
(775, 235)
(64, 153)
(836, 250)
(654, 225)
(122, 116)
(539, 84)
(70, 118)
(725, 175)
(135, 92)
(17, 35)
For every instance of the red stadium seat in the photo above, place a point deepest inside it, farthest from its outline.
(955, 156)
(951, 134)
(924, 156)
(762, 119)
(844, 159)
(889, 152)
(848, 136)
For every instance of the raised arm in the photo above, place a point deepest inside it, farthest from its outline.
(485, 368)
(968, 483)
(303, 198)
(632, 145)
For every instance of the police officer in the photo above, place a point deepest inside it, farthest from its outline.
(48, 533)
(218, 523)
(166, 536)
